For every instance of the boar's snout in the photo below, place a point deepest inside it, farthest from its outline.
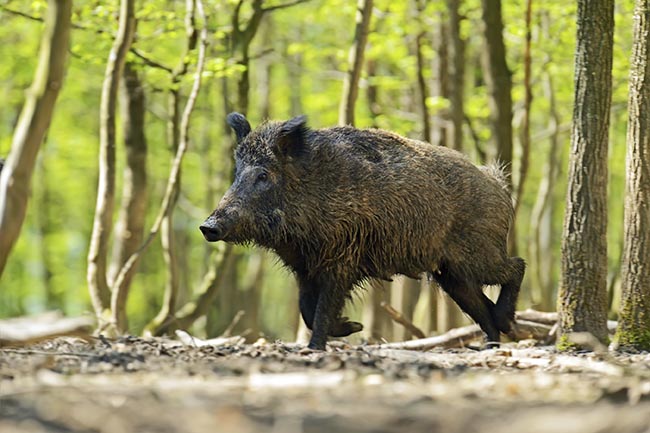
(212, 232)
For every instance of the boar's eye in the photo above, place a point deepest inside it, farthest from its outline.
(262, 177)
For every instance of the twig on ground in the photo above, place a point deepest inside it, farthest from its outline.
(458, 337)
(235, 320)
(189, 340)
(27, 330)
(399, 318)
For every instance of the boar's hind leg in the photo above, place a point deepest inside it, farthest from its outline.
(504, 312)
(471, 300)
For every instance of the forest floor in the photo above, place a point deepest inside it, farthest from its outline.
(145, 385)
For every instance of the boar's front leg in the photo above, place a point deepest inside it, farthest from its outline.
(321, 303)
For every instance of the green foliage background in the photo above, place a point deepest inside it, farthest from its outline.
(47, 267)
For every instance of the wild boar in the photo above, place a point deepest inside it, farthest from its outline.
(343, 205)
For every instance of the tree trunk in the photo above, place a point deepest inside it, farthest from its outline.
(120, 292)
(497, 78)
(441, 84)
(377, 324)
(294, 62)
(405, 292)
(55, 299)
(372, 93)
(541, 224)
(583, 292)
(423, 91)
(525, 122)
(170, 247)
(355, 63)
(499, 84)
(32, 124)
(633, 330)
(449, 315)
(102, 224)
(129, 229)
(456, 77)
(266, 71)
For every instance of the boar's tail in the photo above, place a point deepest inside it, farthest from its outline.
(498, 172)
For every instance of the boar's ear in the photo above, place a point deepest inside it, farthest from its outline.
(291, 137)
(239, 124)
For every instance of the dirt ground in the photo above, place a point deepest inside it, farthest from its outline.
(158, 385)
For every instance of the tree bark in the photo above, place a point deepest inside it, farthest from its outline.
(423, 91)
(129, 229)
(441, 84)
(102, 223)
(355, 63)
(294, 64)
(525, 122)
(634, 321)
(32, 124)
(456, 77)
(46, 226)
(498, 81)
(583, 292)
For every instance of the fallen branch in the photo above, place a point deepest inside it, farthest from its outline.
(547, 318)
(189, 340)
(235, 320)
(23, 331)
(399, 318)
(525, 329)
(551, 318)
(458, 337)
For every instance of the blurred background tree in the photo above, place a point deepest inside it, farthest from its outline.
(423, 75)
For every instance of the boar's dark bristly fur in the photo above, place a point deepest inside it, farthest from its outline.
(343, 205)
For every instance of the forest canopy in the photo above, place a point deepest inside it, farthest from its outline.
(276, 59)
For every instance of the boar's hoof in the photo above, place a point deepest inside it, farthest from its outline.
(503, 321)
(312, 346)
(492, 344)
(345, 327)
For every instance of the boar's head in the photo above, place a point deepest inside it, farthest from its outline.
(252, 208)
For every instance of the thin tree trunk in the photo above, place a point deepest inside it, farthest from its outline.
(372, 93)
(252, 294)
(583, 292)
(633, 330)
(129, 229)
(241, 40)
(120, 291)
(355, 63)
(541, 251)
(441, 85)
(499, 85)
(103, 221)
(405, 292)
(45, 226)
(167, 234)
(266, 72)
(294, 64)
(208, 290)
(497, 78)
(423, 91)
(525, 122)
(456, 76)
(449, 315)
(32, 124)
(377, 324)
